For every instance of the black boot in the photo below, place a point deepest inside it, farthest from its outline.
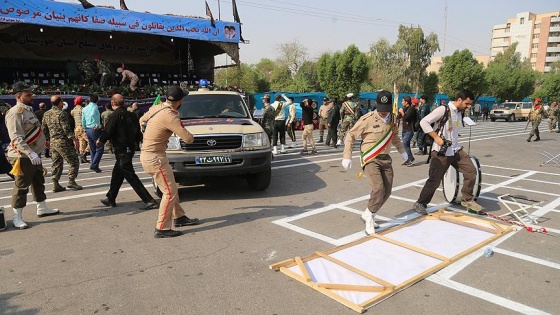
(529, 139)
(320, 140)
(538, 138)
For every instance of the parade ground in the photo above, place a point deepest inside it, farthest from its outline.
(91, 259)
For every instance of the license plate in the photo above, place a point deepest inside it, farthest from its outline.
(213, 159)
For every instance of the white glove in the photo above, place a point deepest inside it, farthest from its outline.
(347, 164)
(35, 159)
(404, 156)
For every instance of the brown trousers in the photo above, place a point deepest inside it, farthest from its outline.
(157, 166)
(80, 134)
(438, 167)
(308, 136)
(323, 124)
(32, 176)
(379, 174)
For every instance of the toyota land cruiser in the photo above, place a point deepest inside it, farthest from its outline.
(227, 142)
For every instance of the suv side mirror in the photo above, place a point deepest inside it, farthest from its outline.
(517, 107)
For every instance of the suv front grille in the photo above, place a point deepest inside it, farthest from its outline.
(205, 143)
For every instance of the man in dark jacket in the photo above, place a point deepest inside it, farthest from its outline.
(123, 129)
(409, 116)
(332, 123)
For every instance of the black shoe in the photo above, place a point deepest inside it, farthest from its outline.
(108, 202)
(185, 221)
(408, 163)
(166, 233)
(537, 139)
(420, 208)
(149, 205)
(96, 169)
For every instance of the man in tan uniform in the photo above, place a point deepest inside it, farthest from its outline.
(160, 122)
(79, 131)
(323, 117)
(129, 75)
(377, 130)
(27, 141)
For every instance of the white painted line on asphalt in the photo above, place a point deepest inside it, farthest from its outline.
(309, 233)
(487, 296)
(528, 258)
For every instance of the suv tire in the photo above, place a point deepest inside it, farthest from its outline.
(260, 181)
(512, 117)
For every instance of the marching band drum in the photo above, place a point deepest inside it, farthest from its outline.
(453, 183)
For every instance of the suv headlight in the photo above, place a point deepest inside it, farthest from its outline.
(174, 143)
(253, 140)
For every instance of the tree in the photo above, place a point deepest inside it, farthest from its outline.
(342, 73)
(462, 71)
(417, 51)
(510, 78)
(306, 79)
(550, 89)
(387, 65)
(243, 76)
(292, 55)
(430, 85)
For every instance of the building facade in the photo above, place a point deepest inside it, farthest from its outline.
(537, 37)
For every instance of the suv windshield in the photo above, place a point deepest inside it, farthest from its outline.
(508, 105)
(212, 106)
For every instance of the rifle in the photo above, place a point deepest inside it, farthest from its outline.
(528, 121)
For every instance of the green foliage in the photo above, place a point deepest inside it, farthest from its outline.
(243, 76)
(510, 78)
(462, 71)
(430, 85)
(342, 73)
(550, 88)
(388, 66)
(417, 50)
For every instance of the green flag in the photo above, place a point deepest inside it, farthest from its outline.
(157, 101)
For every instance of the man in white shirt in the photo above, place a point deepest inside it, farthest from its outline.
(454, 155)
(279, 123)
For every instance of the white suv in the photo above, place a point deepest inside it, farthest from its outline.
(227, 142)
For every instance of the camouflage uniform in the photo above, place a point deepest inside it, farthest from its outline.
(104, 71)
(56, 126)
(348, 117)
(535, 116)
(552, 114)
(87, 71)
(268, 121)
(79, 131)
(104, 118)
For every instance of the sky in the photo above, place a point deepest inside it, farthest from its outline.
(328, 25)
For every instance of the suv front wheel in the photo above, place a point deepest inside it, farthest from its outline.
(259, 181)
(512, 117)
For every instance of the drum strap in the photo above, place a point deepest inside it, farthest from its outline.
(377, 148)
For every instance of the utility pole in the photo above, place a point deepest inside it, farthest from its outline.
(219, 11)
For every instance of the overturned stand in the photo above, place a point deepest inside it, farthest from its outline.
(363, 273)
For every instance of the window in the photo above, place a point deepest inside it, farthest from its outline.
(535, 36)
(522, 21)
(533, 64)
(535, 45)
(533, 55)
(537, 26)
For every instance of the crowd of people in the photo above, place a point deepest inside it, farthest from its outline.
(68, 137)
(71, 136)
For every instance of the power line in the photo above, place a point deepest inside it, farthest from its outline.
(353, 18)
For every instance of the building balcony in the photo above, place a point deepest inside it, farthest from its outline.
(551, 59)
(555, 39)
(554, 29)
(553, 49)
(547, 69)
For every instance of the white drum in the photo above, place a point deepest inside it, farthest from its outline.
(453, 183)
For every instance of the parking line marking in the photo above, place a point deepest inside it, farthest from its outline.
(528, 258)
(487, 296)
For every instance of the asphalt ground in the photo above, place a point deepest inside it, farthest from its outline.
(94, 260)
